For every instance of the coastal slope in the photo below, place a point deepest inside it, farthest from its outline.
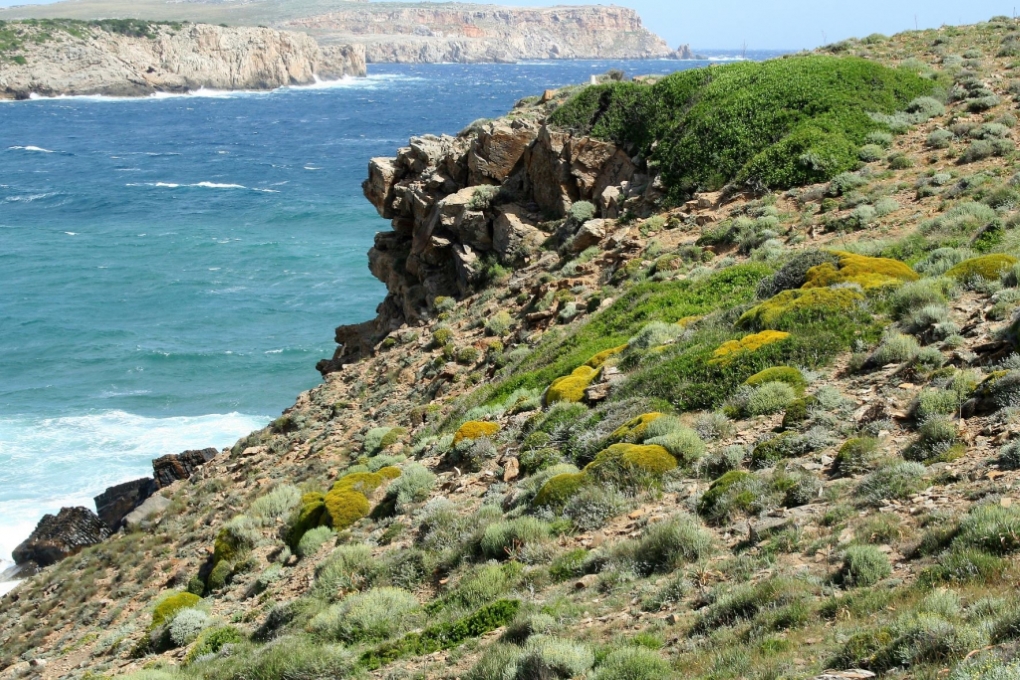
(406, 32)
(633, 409)
(138, 58)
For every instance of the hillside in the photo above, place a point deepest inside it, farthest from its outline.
(404, 32)
(724, 393)
(137, 58)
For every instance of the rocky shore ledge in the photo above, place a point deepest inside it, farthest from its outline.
(131, 505)
(136, 58)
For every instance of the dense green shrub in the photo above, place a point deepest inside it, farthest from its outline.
(373, 615)
(857, 455)
(895, 481)
(442, 636)
(991, 528)
(863, 565)
(312, 541)
(632, 663)
(665, 546)
(778, 123)
(503, 540)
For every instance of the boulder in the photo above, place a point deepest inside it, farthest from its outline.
(61, 535)
(590, 234)
(169, 469)
(512, 238)
(549, 178)
(141, 516)
(117, 501)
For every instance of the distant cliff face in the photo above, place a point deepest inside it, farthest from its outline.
(79, 58)
(472, 33)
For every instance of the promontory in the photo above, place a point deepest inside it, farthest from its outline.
(136, 58)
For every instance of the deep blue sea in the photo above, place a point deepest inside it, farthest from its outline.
(171, 268)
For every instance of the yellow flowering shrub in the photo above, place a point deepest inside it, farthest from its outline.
(362, 482)
(475, 429)
(601, 358)
(634, 430)
(785, 374)
(344, 507)
(389, 472)
(868, 272)
(559, 489)
(728, 351)
(309, 515)
(988, 267)
(570, 388)
(793, 308)
(649, 459)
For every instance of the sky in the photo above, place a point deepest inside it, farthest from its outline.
(792, 24)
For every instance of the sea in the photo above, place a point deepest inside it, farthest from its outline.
(172, 267)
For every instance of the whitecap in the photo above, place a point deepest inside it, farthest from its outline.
(71, 233)
(274, 351)
(49, 463)
(311, 167)
(29, 148)
(215, 185)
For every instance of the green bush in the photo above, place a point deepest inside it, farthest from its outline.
(169, 605)
(593, 505)
(668, 545)
(347, 568)
(769, 398)
(485, 584)
(312, 541)
(1009, 456)
(896, 348)
(746, 600)
(187, 625)
(279, 502)
(964, 565)
(442, 636)
(723, 124)
(991, 528)
(632, 663)
(857, 455)
(938, 441)
(863, 565)
(412, 486)
(894, 481)
(503, 540)
(736, 492)
(499, 324)
(212, 640)
(373, 615)
(582, 211)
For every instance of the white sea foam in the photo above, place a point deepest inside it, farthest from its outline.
(371, 82)
(27, 198)
(49, 463)
(29, 148)
(199, 185)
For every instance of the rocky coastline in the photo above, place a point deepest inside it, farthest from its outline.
(134, 59)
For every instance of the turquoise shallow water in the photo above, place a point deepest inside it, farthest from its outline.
(172, 268)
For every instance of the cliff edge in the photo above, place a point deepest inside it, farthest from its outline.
(137, 58)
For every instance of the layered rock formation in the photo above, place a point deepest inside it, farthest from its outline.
(490, 195)
(84, 59)
(478, 33)
(405, 32)
(60, 535)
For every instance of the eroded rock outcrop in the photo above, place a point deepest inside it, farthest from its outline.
(114, 504)
(493, 194)
(58, 536)
(169, 469)
(174, 58)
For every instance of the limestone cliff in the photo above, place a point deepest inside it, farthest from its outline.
(404, 31)
(138, 58)
(476, 33)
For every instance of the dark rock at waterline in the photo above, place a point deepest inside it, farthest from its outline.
(169, 469)
(114, 504)
(61, 535)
